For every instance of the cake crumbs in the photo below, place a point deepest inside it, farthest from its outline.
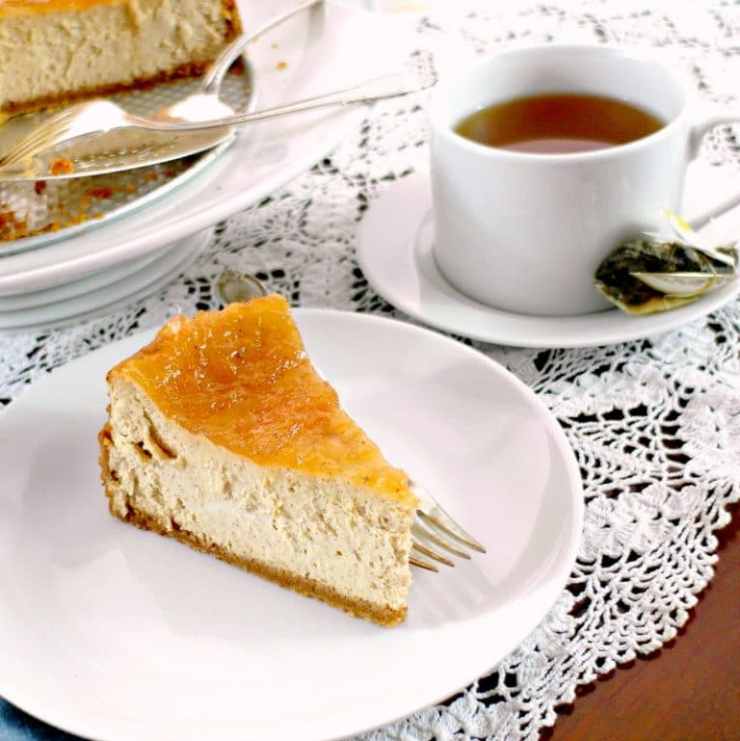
(61, 166)
(101, 192)
(238, 68)
(85, 206)
(11, 227)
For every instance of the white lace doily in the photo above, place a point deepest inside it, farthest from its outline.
(655, 424)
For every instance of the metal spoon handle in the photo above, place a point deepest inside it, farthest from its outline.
(214, 76)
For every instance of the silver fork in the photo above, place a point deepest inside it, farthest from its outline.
(435, 527)
(88, 120)
(435, 534)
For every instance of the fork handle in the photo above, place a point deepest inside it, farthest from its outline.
(350, 96)
(214, 76)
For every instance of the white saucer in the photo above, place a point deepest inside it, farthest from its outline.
(100, 294)
(394, 248)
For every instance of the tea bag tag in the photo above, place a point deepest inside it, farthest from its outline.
(682, 284)
(657, 272)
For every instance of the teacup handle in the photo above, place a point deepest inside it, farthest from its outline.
(698, 132)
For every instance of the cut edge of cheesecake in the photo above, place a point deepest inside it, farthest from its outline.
(386, 616)
(323, 513)
(192, 68)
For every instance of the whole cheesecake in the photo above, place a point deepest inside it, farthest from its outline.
(54, 51)
(221, 434)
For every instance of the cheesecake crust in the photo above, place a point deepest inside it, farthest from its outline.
(385, 616)
(191, 69)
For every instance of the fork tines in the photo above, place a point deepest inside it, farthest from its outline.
(439, 530)
(39, 137)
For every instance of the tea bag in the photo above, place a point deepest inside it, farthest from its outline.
(658, 272)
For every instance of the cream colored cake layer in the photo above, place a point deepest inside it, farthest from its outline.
(105, 45)
(318, 529)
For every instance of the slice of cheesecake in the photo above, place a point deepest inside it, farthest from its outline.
(221, 434)
(54, 51)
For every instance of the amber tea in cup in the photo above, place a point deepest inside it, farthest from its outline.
(560, 123)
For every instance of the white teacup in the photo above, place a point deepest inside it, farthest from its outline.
(525, 232)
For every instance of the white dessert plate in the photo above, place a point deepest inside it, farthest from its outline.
(313, 53)
(395, 251)
(118, 634)
(93, 299)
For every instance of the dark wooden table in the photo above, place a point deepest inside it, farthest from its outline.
(689, 690)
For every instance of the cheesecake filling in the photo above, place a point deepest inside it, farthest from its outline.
(50, 50)
(318, 530)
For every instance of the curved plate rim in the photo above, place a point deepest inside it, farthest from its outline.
(146, 280)
(555, 583)
(375, 255)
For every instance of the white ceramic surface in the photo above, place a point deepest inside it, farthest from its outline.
(119, 634)
(524, 232)
(102, 295)
(322, 51)
(32, 299)
(395, 250)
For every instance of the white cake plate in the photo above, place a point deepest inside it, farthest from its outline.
(118, 634)
(34, 299)
(313, 53)
(395, 251)
(104, 292)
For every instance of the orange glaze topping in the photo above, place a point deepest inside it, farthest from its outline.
(241, 378)
(27, 7)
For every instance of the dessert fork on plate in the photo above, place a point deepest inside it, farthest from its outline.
(435, 534)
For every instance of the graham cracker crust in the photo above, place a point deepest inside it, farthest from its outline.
(358, 608)
(192, 69)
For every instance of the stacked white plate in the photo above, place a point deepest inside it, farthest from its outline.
(142, 243)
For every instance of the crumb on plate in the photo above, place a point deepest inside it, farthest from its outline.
(100, 192)
(61, 166)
